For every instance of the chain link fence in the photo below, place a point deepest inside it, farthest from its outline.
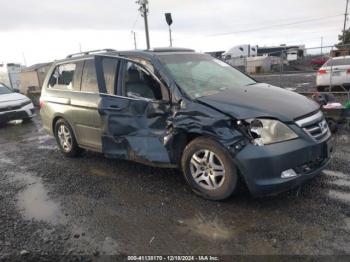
(292, 68)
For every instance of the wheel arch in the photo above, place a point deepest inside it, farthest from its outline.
(58, 117)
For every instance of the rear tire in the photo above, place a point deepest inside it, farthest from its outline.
(65, 139)
(209, 169)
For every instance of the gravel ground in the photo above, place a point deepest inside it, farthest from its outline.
(88, 207)
(302, 82)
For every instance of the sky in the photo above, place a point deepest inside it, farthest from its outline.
(34, 31)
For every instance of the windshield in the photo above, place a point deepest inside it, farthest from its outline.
(4, 90)
(202, 75)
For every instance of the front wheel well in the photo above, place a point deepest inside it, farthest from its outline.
(182, 140)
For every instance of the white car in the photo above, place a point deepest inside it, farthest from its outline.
(14, 106)
(335, 72)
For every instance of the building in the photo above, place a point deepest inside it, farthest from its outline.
(10, 75)
(262, 64)
(256, 64)
(291, 53)
(33, 77)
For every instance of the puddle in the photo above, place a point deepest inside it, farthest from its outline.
(33, 200)
(341, 182)
(302, 84)
(345, 197)
(208, 228)
(47, 147)
(40, 139)
(335, 174)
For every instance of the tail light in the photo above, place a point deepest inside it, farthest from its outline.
(41, 104)
(322, 72)
(348, 71)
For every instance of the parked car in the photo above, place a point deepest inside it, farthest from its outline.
(14, 106)
(181, 109)
(317, 62)
(335, 72)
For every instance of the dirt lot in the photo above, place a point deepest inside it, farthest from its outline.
(302, 82)
(51, 205)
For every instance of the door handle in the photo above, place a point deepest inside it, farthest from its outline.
(115, 108)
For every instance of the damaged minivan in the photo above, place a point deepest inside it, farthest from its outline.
(173, 107)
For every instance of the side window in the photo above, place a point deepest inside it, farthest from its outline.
(110, 71)
(89, 79)
(62, 77)
(146, 63)
(140, 83)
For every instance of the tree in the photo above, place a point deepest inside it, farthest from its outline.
(346, 39)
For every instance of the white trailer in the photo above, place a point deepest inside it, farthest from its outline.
(241, 51)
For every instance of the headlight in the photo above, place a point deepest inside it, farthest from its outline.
(269, 131)
(27, 102)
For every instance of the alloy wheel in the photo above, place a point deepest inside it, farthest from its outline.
(207, 169)
(65, 138)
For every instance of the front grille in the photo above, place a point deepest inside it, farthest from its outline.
(14, 107)
(10, 108)
(315, 126)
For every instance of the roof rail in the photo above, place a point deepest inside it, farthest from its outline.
(170, 49)
(91, 52)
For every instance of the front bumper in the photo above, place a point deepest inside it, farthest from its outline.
(261, 167)
(24, 112)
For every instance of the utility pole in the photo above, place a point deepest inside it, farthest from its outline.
(144, 12)
(169, 21)
(345, 18)
(321, 45)
(24, 59)
(134, 35)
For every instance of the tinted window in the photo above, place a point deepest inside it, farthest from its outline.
(89, 79)
(4, 90)
(62, 77)
(77, 75)
(139, 83)
(110, 66)
(340, 62)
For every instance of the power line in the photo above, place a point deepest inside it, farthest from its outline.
(135, 22)
(277, 25)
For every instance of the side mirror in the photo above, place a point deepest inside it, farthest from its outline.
(15, 90)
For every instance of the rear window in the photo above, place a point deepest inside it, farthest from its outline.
(338, 62)
(62, 77)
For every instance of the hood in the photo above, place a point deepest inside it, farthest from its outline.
(261, 100)
(12, 97)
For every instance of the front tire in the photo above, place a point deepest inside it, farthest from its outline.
(209, 169)
(65, 139)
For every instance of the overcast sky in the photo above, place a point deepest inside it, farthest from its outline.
(44, 30)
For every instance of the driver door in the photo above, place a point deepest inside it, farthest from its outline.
(135, 118)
